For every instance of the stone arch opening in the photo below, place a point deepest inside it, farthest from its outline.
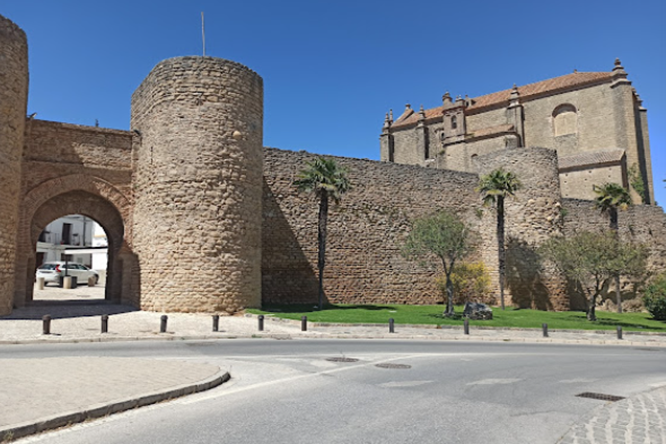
(81, 241)
(94, 199)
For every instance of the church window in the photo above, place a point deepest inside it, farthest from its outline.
(565, 120)
(454, 122)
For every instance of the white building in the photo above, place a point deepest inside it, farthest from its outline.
(75, 235)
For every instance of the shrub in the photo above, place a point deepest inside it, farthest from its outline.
(471, 282)
(655, 298)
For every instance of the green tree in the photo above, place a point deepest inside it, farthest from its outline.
(326, 180)
(471, 283)
(445, 236)
(655, 297)
(610, 198)
(593, 259)
(494, 188)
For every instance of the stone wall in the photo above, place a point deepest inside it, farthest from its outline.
(408, 152)
(595, 121)
(55, 149)
(460, 157)
(486, 119)
(531, 218)
(365, 232)
(13, 102)
(74, 169)
(197, 217)
(640, 223)
(581, 182)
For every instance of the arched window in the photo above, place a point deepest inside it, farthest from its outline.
(454, 122)
(565, 120)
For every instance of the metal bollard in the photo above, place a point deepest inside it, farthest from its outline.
(466, 326)
(304, 323)
(391, 325)
(545, 330)
(619, 332)
(46, 325)
(105, 323)
(216, 322)
(163, 323)
(261, 322)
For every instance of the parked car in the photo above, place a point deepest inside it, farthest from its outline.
(51, 272)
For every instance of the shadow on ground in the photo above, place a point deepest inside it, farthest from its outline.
(310, 308)
(64, 309)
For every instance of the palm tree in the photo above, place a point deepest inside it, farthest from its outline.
(325, 179)
(610, 198)
(494, 188)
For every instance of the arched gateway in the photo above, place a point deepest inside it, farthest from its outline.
(89, 196)
(179, 195)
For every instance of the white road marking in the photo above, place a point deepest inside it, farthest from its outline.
(494, 381)
(577, 380)
(404, 383)
(235, 390)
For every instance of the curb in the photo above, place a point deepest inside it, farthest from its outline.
(450, 327)
(309, 335)
(12, 432)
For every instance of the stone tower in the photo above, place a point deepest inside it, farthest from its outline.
(531, 218)
(198, 185)
(13, 104)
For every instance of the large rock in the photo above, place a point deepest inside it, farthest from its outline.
(477, 311)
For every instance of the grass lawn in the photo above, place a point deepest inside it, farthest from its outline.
(432, 314)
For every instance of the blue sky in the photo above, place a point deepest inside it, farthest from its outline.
(333, 69)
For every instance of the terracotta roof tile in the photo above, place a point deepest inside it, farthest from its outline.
(613, 155)
(526, 92)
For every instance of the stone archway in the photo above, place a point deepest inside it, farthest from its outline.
(91, 197)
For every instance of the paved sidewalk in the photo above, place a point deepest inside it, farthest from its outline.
(49, 393)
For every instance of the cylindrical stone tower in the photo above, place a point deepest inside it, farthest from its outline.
(13, 104)
(531, 218)
(198, 185)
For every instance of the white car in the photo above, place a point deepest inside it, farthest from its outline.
(51, 272)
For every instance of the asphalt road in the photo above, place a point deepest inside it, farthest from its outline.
(288, 392)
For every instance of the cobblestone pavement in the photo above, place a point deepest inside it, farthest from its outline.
(637, 420)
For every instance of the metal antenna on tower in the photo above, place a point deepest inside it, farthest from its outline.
(203, 34)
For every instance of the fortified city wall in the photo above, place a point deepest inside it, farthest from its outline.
(365, 231)
(200, 217)
(13, 103)
(197, 216)
(644, 224)
(531, 217)
(89, 171)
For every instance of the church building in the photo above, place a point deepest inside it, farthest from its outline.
(595, 121)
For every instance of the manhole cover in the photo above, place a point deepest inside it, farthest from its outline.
(387, 365)
(600, 396)
(342, 359)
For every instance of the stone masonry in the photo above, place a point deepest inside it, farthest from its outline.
(197, 183)
(13, 104)
(582, 115)
(201, 218)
